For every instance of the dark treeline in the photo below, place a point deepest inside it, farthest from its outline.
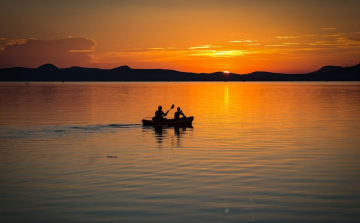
(49, 72)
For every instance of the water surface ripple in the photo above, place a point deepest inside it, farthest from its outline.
(256, 152)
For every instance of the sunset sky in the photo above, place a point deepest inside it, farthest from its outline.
(240, 36)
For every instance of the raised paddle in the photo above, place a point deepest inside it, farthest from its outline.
(172, 106)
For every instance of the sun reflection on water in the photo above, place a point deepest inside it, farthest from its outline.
(226, 99)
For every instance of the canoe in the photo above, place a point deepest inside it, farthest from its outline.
(169, 122)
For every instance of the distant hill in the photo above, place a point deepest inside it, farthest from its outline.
(328, 68)
(125, 67)
(49, 72)
(48, 68)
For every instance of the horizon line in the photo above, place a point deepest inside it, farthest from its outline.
(224, 71)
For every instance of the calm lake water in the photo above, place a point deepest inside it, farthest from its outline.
(256, 152)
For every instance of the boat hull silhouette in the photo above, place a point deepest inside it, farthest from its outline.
(169, 122)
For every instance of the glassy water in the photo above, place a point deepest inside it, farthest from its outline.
(256, 152)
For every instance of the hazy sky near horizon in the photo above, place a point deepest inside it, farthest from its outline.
(197, 36)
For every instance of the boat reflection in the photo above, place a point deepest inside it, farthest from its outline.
(163, 133)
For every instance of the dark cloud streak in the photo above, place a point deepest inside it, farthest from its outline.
(60, 52)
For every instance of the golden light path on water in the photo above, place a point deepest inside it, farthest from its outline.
(226, 99)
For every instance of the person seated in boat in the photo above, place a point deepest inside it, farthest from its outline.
(178, 113)
(159, 114)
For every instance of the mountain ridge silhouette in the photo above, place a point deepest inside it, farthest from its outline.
(49, 72)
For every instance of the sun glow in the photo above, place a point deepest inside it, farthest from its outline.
(226, 72)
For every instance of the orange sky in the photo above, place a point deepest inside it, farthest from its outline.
(241, 36)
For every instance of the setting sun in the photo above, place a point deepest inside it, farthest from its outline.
(226, 72)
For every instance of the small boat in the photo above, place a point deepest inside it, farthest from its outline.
(169, 122)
